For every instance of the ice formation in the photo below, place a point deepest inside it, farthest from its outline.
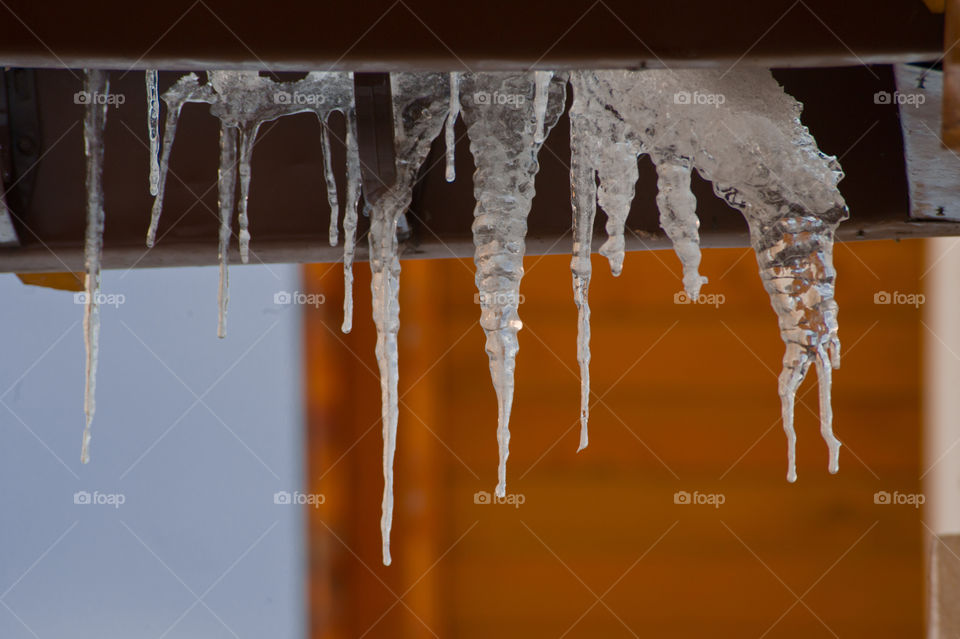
(739, 130)
(742, 132)
(243, 101)
(504, 114)
(350, 219)
(95, 83)
(450, 136)
(153, 128)
(420, 106)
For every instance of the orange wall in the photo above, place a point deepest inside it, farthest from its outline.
(689, 402)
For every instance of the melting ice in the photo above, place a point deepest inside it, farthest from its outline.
(761, 160)
(95, 82)
(420, 105)
(752, 147)
(505, 138)
(243, 101)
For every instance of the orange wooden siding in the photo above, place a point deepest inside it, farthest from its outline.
(685, 399)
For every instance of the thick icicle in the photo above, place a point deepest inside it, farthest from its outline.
(153, 128)
(742, 132)
(95, 82)
(350, 213)
(503, 134)
(227, 190)
(451, 138)
(617, 172)
(331, 183)
(795, 253)
(678, 218)
(419, 108)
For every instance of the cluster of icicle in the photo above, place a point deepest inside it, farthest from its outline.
(751, 146)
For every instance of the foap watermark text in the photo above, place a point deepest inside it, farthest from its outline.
(482, 497)
(696, 498)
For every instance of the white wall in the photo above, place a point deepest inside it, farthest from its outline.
(941, 338)
(198, 480)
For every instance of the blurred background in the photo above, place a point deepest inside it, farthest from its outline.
(202, 437)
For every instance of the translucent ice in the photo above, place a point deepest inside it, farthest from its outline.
(420, 106)
(450, 137)
(742, 132)
(500, 113)
(94, 121)
(153, 128)
(243, 101)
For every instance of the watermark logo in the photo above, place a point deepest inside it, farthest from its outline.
(296, 498)
(711, 299)
(96, 498)
(697, 98)
(497, 98)
(898, 298)
(110, 99)
(499, 298)
(897, 498)
(898, 98)
(285, 298)
(298, 98)
(697, 498)
(482, 497)
(103, 299)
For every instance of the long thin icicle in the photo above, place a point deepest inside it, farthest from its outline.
(96, 83)
(451, 138)
(186, 89)
(503, 134)
(350, 213)
(153, 129)
(419, 108)
(599, 148)
(583, 197)
(227, 191)
(331, 183)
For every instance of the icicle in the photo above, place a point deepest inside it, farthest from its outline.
(227, 191)
(795, 253)
(540, 92)
(153, 129)
(186, 89)
(331, 182)
(248, 136)
(598, 145)
(583, 192)
(612, 149)
(502, 140)
(96, 82)
(451, 139)
(350, 212)
(743, 133)
(678, 218)
(425, 95)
